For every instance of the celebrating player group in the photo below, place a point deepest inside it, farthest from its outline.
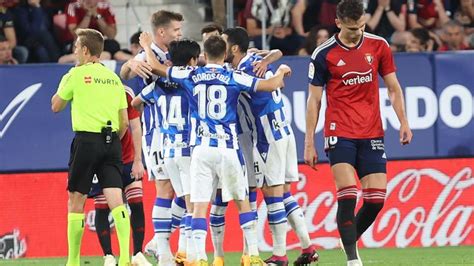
(214, 130)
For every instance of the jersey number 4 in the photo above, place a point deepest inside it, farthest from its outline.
(211, 101)
(172, 114)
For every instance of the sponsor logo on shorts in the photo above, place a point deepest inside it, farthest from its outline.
(377, 144)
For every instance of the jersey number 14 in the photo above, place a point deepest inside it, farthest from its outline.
(172, 115)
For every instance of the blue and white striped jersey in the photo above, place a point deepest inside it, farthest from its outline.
(172, 112)
(150, 118)
(268, 121)
(213, 92)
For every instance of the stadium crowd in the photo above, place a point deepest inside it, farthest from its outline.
(39, 31)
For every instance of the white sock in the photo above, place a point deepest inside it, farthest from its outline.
(182, 242)
(190, 246)
(161, 216)
(249, 227)
(199, 226)
(296, 219)
(217, 223)
(277, 221)
(178, 208)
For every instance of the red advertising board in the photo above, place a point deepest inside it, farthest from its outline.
(429, 203)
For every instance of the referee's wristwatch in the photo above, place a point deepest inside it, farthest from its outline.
(98, 16)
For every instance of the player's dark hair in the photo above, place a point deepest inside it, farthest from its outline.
(421, 34)
(162, 18)
(211, 28)
(215, 47)
(135, 39)
(3, 38)
(350, 9)
(238, 36)
(182, 51)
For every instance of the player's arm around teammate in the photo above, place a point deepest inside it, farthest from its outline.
(270, 84)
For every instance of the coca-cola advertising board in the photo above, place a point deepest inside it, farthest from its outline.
(429, 203)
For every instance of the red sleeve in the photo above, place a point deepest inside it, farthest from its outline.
(132, 113)
(71, 17)
(386, 63)
(109, 16)
(248, 9)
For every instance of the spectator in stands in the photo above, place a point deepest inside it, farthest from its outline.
(317, 35)
(98, 15)
(426, 13)
(218, 12)
(125, 54)
(7, 30)
(465, 15)
(210, 30)
(309, 13)
(419, 40)
(398, 41)
(278, 27)
(6, 57)
(453, 37)
(384, 17)
(32, 28)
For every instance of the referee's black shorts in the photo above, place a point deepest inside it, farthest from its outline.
(91, 155)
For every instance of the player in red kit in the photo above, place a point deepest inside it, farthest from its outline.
(132, 174)
(348, 65)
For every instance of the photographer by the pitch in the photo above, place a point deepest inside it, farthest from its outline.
(99, 120)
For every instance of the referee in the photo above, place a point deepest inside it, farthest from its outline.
(99, 120)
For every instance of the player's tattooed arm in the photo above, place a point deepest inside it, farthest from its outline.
(157, 67)
(276, 81)
(395, 95)
(312, 117)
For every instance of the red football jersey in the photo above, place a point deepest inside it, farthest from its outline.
(350, 76)
(75, 14)
(128, 150)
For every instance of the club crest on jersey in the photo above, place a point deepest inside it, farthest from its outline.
(369, 58)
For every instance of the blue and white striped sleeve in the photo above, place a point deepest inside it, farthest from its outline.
(147, 95)
(245, 82)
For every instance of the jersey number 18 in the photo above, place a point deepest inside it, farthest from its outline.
(211, 101)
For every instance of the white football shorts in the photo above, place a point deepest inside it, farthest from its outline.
(227, 165)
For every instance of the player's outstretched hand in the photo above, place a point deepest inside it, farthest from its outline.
(405, 134)
(310, 156)
(285, 69)
(260, 68)
(145, 40)
(143, 69)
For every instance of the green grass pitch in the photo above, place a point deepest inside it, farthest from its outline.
(407, 256)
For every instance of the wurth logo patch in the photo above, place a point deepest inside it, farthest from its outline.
(87, 79)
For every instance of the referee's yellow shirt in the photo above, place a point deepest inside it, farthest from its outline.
(96, 94)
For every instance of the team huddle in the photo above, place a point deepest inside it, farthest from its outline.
(206, 129)
(213, 129)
